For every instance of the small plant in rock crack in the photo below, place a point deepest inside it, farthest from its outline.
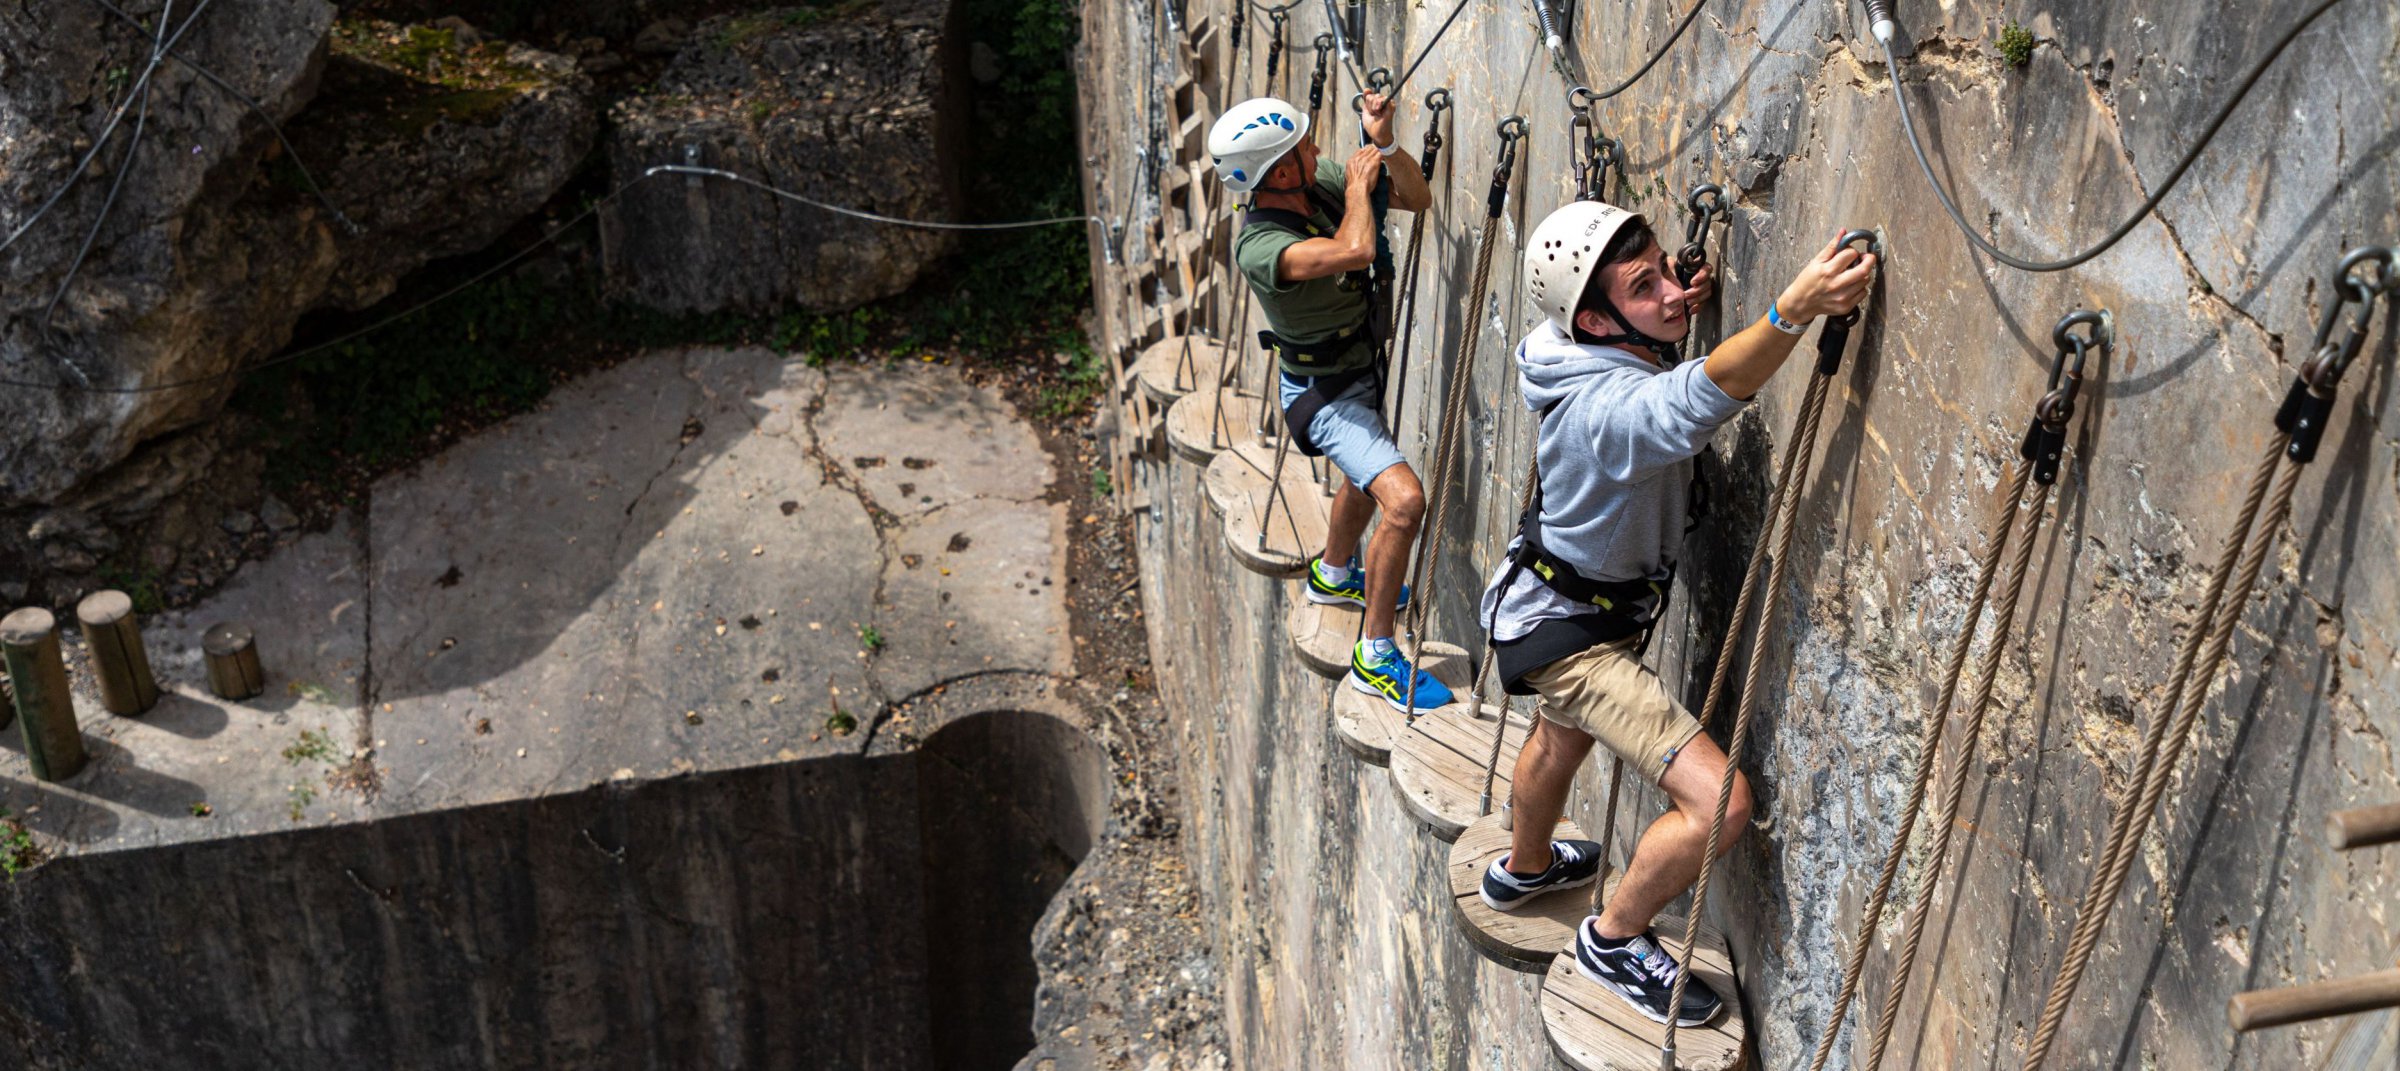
(296, 804)
(1102, 487)
(870, 637)
(2016, 45)
(18, 852)
(313, 744)
(840, 722)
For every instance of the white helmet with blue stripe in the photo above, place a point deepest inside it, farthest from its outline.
(1248, 139)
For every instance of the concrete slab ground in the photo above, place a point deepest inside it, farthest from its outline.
(690, 561)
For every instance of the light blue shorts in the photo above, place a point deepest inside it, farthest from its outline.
(1349, 430)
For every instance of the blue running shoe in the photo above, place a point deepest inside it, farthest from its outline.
(1384, 677)
(1352, 590)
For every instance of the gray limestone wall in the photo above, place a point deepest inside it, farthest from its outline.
(850, 911)
(1331, 919)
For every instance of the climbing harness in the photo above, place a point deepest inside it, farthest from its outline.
(2037, 465)
(2299, 424)
(1783, 513)
(1454, 397)
(1879, 16)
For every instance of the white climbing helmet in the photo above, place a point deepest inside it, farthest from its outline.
(1250, 137)
(1564, 250)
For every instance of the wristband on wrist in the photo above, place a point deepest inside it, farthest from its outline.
(1775, 317)
(1387, 150)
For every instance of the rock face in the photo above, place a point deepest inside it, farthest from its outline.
(836, 105)
(1329, 904)
(219, 239)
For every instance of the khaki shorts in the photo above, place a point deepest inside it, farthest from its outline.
(1605, 691)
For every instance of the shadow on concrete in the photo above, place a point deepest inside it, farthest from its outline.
(855, 912)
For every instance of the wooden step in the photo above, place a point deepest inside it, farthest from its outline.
(1167, 370)
(1531, 936)
(1593, 1029)
(1366, 723)
(1271, 532)
(1322, 635)
(1438, 764)
(1199, 427)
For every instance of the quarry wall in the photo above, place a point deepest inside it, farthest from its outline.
(1330, 907)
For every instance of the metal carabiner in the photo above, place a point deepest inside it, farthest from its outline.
(2057, 404)
(1275, 45)
(1512, 131)
(1706, 203)
(1874, 249)
(2329, 359)
(1436, 103)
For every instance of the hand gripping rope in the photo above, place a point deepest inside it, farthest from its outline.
(1454, 398)
(1783, 517)
(1593, 152)
(2299, 424)
(2038, 462)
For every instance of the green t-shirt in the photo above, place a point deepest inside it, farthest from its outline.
(1310, 310)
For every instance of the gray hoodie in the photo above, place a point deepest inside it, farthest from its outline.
(1616, 462)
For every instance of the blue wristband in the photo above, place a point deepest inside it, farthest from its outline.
(1775, 317)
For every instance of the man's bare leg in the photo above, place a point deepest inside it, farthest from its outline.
(1667, 861)
(1347, 521)
(1402, 498)
(1538, 791)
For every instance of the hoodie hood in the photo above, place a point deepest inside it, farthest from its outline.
(1550, 365)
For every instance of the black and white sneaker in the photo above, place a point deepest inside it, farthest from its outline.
(1640, 971)
(1573, 863)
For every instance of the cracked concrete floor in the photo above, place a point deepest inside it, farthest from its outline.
(689, 561)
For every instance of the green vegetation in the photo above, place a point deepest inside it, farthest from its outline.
(1024, 286)
(2016, 45)
(870, 637)
(18, 852)
(746, 28)
(138, 583)
(840, 722)
(1083, 380)
(1102, 486)
(313, 744)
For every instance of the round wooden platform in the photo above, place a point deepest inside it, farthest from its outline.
(1438, 764)
(1165, 374)
(1188, 422)
(1531, 936)
(1268, 533)
(1366, 723)
(1322, 634)
(1593, 1029)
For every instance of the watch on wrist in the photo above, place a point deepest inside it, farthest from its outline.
(1775, 317)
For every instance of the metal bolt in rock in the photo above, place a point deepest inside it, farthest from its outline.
(45, 707)
(114, 635)
(233, 669)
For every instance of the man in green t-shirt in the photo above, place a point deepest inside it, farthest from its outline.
(1307, 248)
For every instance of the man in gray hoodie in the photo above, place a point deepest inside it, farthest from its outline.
(1588, 575)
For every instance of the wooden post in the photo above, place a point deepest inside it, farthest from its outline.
(45, 706)
(2262, 1008)
(2363, 827)
(233, 669)
(114, 635)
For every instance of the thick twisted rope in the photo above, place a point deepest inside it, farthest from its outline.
(1786, 520)
(1955, 789)
(1928, 746)
(2195, 665)
(1454, 407)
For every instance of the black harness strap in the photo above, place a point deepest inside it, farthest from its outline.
(1618, 605)
(1322, 390)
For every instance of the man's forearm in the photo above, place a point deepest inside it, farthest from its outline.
(1743, 364)
(1409, 192)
